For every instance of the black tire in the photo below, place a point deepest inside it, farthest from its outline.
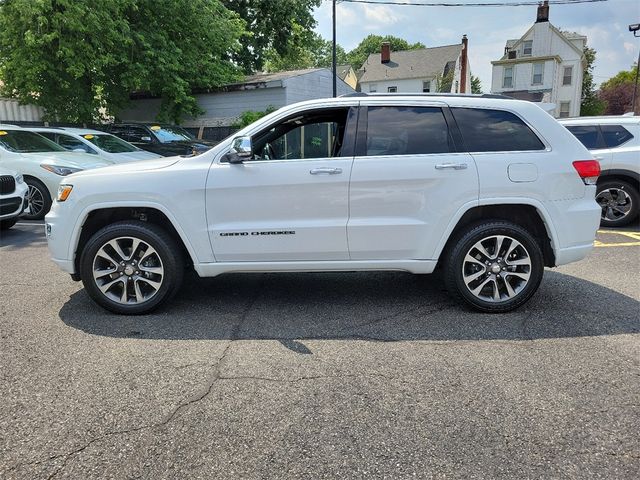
(41, 204)
(632, 198)
(168, 253)
(8, 223)
(454, 263)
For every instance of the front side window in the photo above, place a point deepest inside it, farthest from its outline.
(407, 131)
(588, 135)
(72, 143)
(312, 135)
(527, 47)
(567, 75)
(565, 109)
(392, 89)
(426, 86)
(507, 79)
(110, 143)
(485, 130)
(615, 135)
(27, 142)
(538, 70)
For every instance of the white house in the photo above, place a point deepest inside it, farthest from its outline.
(416, 71)
(544, 65)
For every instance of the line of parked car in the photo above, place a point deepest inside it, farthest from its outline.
(33, 160)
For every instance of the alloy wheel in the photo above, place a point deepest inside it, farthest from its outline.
(35, 200)
(496, 268)
(615, 203)
(128, 270)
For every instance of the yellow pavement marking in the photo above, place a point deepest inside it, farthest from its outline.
(632, 235)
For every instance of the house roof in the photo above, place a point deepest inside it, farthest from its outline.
(343, 71)
(422, 63)
(274, 77)
(567, 36)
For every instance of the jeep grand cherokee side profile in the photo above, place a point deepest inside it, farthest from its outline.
(489, 189)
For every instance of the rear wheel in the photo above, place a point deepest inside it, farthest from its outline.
(131, 267)
(38, 199)
(619, 201)
(494, 267)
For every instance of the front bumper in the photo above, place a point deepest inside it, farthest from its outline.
(58, 230)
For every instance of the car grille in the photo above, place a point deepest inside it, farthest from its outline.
(10, 205)
(7, 184)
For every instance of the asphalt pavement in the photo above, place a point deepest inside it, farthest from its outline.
(334, 375)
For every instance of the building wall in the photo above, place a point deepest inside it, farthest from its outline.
(411, 85)
(351, 79)
(12, 111)
(546, 42)
(313, 85)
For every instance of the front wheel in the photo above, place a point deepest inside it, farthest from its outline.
(38, 199)
(131, 267)
(494, 266)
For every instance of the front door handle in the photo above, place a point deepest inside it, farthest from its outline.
(452, 166)
(325, 171)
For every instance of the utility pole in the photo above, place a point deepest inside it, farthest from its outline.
(333, 53)
(635, 28)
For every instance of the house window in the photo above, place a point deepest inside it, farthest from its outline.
(566, 77)
(373, 88)
(392, 89)
(538, 69)
(527, 47)
(565, 109)
(426, 86)
(507, 77)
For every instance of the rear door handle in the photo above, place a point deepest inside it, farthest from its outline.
(325, 171)
(452, 166)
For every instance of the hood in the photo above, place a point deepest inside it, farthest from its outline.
(4, 171)
(71, 159)
(130, 167)
(132, 156)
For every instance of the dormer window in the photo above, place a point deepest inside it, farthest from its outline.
(527, 48)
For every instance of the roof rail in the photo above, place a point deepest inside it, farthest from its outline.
(400, 94)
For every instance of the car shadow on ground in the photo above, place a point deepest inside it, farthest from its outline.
(22, 235)
(382, 306)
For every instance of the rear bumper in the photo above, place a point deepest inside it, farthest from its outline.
(573, 254)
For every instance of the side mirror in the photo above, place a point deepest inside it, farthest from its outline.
(241, 150)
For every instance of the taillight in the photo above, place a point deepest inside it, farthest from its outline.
(589, 170)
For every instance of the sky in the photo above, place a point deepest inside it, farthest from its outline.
(606, 25)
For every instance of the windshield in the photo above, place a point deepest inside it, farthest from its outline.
(27, 142)
(170, 133)
(110, 143)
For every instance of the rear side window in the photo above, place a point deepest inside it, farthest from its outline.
(407, 131)
(588, 135)
(615, 135)
(485, 130)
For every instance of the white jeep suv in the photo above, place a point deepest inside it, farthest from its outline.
(615, 143)
(490, 189)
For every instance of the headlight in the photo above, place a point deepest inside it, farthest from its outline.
(62, 171)
(19, 179)
(63, 192)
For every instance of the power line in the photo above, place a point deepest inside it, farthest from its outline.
(474, 4)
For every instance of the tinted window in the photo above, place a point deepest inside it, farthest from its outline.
(27, 142)
(494, 131)
(407, 131)
(170, 133)
(137, 134)
(587, 134)
(71, 143)
(110, 144)
(615, 135)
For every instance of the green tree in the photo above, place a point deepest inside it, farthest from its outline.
(371, 44)
(80, 59)
(250, 116)
(271, 24)
(590, 104)
(445, 82)
(307, 49)
(476, 86)
(617, 92)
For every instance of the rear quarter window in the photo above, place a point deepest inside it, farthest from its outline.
(588, 135)
(486, 130)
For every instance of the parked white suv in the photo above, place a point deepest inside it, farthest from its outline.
(615, 142)
(490, 189)
(12, 198)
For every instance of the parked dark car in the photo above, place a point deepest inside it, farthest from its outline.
(166, 140)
